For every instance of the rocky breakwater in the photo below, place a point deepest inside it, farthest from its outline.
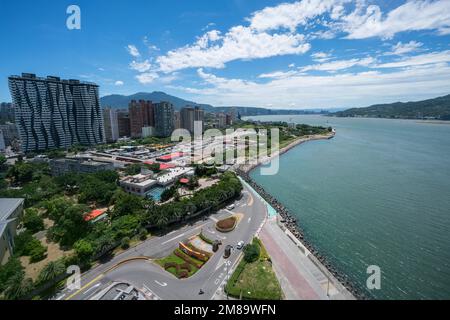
(291, 223)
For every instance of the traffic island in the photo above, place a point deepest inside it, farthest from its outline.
(227, 225)
(188, 258)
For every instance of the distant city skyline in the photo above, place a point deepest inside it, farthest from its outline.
(272, 54)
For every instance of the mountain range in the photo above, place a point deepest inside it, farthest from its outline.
(121, 102)
(436, 108)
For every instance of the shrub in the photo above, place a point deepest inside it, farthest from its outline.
(143, 233)
(251, 252)
(188, 259)
(125, 243)
(182, 274)
(37, 253)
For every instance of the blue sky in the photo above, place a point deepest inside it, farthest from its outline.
(293, 54)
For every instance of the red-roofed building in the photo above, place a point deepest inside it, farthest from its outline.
(162, 166)
(170, 157)
(95, 215)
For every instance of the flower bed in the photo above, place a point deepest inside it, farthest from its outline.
(226, 225)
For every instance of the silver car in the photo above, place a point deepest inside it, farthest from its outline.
(240, 245)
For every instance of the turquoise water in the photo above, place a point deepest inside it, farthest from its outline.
(156, 193)
(376, 194)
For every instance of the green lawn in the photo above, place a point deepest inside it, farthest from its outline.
(255, 280)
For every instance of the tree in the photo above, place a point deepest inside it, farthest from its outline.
(71, 226)
(33, 221)
(251, 252)
(2, 161)
(17, 286)
(27, 245)
(133, 169)
(84, 250)
(52, 270)
(126, 204)
(9, 270)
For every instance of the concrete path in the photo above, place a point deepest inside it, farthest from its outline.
(299, 278)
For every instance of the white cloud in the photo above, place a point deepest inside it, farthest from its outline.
(418, 60)
(277, 74)
(140, 66)
(337, 90)
(147, 77)
(133, 50)
(119, 83)
(321, 56)
(238, 43)
(403, 48)
(291, 15)
(340, 64)
(369, 21)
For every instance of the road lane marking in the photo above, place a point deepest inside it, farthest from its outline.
(93, 287)
(84, 287)
(162, 284)
(179, 236)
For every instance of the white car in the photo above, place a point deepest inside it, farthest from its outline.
(230, 207)
(240, 245)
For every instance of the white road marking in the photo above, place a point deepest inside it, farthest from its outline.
(91, 288)
(249, 219)
(179, 236)
(60, 297)
(162, 284)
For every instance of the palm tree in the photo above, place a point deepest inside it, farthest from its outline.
(52, 270)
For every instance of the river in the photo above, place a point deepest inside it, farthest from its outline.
(376, 194)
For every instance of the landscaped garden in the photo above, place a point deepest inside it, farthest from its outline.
(254, 277)
(227, 225)
(187, 259)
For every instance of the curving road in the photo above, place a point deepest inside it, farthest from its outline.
(135, 265)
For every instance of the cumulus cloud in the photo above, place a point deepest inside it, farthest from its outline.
(213, 50)
(140, 66)
(132, 50)
(147, 77)
(403, 48)
(369, 21)
(119, 83)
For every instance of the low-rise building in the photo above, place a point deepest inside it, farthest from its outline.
(63, 166)
(11, 210)
(139, 184)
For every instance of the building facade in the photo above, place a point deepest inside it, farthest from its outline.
(164, 119)
(190, 115)
(111, 124)
(6, 112)
(10, 212)
(141, 115)
(60, 167)
(10, 135)
(123, 120)
(54, 113)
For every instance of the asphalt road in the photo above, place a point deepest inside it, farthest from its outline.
(150, 277)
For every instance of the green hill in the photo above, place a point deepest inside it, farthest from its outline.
(437, 108)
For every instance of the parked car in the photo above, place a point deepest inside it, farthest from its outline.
(240, 245)
(230, 207)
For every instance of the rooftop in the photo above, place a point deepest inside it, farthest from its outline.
(7, 206)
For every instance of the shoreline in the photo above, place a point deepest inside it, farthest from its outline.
(289, 220)
(248, 168)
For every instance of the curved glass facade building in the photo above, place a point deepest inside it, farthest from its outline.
(54, 113)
